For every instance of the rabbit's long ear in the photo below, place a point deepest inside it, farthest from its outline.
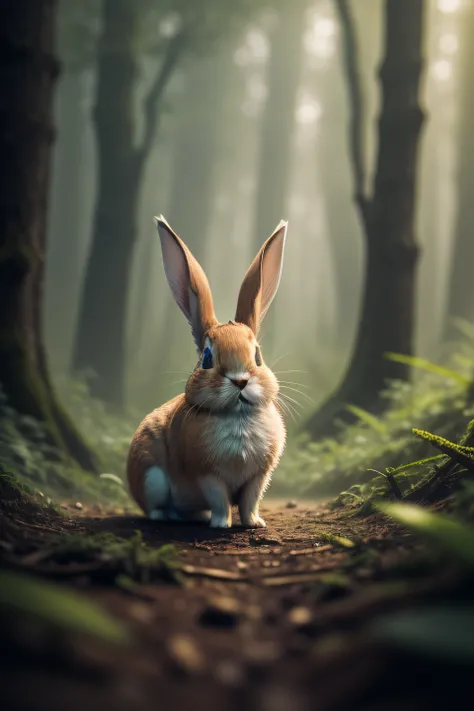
(261, 281)
(187, 281)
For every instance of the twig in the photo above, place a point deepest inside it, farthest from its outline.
(356, 131)
(152, 99)
(214, 573)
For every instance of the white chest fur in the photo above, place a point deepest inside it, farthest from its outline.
(238, 443)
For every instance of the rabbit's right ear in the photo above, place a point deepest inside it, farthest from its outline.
(187, 281)
(261, 281)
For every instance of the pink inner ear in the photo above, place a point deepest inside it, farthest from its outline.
(187, 281)
(261, 281)
(176, 270)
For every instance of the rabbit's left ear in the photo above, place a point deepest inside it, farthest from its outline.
(187, 281)
(261, 281)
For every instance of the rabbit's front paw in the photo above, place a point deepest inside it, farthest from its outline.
(254, 521)
(219, 521)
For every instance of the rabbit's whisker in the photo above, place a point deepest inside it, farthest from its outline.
(287, 387)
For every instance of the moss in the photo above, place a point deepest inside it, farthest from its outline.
(462, 454)
(134, 552)
(30, 393)
(27, 454)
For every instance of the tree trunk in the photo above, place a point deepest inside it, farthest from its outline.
(284, 71)
(387, 320)
(461, 290)
(28, 74)
(196, 145)
(101, 334)
(277, 131)
(63, 256)
(344, 234)
(100, 341)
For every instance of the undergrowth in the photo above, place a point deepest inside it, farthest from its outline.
(26, 453)
(438, 400)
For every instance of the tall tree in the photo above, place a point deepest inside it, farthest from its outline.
(77, 37)
(100, 340)
(277, 128)
(28, 74)
(461, 291)
(284, 70)
(387, 314)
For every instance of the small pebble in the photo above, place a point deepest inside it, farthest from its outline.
(185, 654)
(300, 616)
(79, 505)
(291, 505)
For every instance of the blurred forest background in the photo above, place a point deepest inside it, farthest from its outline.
(350, 119)
(249, 124)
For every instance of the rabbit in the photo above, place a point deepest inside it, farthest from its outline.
(218, 443)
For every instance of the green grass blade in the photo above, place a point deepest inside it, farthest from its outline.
(423, 364)
(22, 594)
(367, 417)
(443, 632)
(450, 537)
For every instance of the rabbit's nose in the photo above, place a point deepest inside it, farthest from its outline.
(241, 383)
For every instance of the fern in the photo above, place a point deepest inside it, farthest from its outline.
(418, 463)
(423, 364)
(367, 417)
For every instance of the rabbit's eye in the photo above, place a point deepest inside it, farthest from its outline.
(258, 356)
(207, 359)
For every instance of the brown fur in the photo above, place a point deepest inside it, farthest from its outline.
(186, 437)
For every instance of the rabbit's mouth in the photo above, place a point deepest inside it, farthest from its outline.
(241, 398)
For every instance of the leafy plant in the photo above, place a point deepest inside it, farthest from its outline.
(63, 609)
(423, 364)
(442, 632)
(445, 534)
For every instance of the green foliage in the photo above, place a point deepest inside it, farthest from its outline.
(21, 595)
(333, 464)
(109, 433)
(446, 535)
(333, 538)
(444, 444)
(464, 501)
(367, 417)
(133, 553)
(26, 454)
(460, 453)
(423, 364)
(441, 632)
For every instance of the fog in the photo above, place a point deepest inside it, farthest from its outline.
(253, 126)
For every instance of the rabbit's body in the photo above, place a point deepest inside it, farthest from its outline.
(218, 443)
(189, 447)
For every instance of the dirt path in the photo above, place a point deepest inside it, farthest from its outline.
(273, 620)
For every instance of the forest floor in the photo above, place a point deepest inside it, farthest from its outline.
(297, 616)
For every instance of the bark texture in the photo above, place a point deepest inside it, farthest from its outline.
(100, 339)
(28, 72)
(461, 290)
(387, 313)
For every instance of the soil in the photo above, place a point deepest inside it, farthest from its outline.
(277, 619)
